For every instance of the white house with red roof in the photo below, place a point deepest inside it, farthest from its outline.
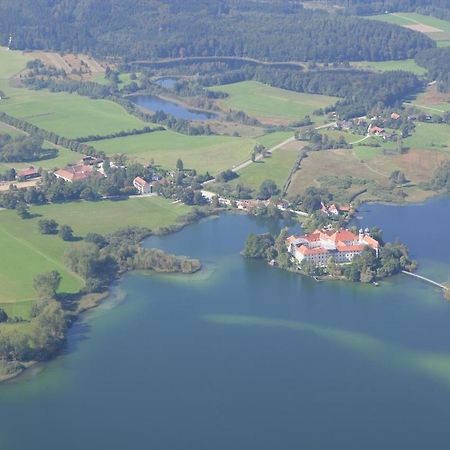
(77, 172)
(342, 245)
(142, 186)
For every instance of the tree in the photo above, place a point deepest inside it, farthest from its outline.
(48, 226)
(47, 284)
(267, 189)
(180, 165)
(398, 178)
(23, 211)
(3, 315)
(66, 233)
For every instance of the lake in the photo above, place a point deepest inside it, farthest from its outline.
(245, 356)
(153, 104)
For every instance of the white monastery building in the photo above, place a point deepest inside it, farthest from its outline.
(342, 245)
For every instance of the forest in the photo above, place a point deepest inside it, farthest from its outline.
(275, 31)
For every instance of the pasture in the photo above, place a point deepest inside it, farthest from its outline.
(270, 104)
(203, 153)
(68, 115)
(408, 65)
(26, 253)
(277, 168)
(436, 29)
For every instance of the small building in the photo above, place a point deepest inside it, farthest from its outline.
(78, 172)
(27, 174)
(92, 160)
(142, 186)
(395, 116)
(376, 130)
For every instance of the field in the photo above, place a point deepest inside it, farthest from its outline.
(432, 101)
(213, 153)
(436, 29)
(430, 136)
(408, 65)
(271, 104)
(276, 168)
(68, 115)
(26, 252)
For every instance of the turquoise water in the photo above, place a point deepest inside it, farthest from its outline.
(244, 356)
(153, 103)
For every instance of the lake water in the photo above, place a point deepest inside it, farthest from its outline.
(153, 103)
(244, 356)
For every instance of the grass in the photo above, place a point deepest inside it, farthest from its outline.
(68, 115)
(270, 103)
(212, 153)
(407, 19)
(11, 63)
(276, 168)
(430, 136)
(27, 253)
(408, 65)
(273, 139)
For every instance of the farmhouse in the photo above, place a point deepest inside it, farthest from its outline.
(342, 245)
(142, 186)
(78, 172)
(376, 130)
(395, 116)
(27, 174)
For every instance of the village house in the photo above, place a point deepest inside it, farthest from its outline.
(142, 186)
(395, 116)
(78, 172)
(334, 210)
(27, 174)
(341, 245)
(377, 131)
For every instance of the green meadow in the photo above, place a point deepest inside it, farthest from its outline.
(277, 168)
(441, 35)
(430, 136)
(26, 253)
(408, 65)
(266, 102)
(68, 115)
(212, 153)
(273, 139)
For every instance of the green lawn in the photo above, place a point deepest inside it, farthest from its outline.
(442, 33)
(276, 168)
(266, 102)
(408, 65)
(273, 139)
(69, 115)
(25, 252)
(11, 63)
(213, 153)
(430, 136)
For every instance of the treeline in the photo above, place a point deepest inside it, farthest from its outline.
(23, 149)
(437, 62)
(273, 31)
(133, 132)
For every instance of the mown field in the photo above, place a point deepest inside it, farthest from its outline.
(68, 115)
(212, 153)
(271, 104)
(408, 65)
(432, 101)
(277, 168)
(25, 252)
(436, 29)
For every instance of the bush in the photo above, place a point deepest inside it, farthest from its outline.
(48, 226)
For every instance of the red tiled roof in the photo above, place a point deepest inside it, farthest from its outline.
(350, 248)
(140, 181)
(78, 172)
(371, 242)
(311, 251)
(27, 172)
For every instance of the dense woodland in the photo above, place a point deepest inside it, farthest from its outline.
(177, 28)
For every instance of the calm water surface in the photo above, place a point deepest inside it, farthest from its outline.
(247, 357)
(153, 103)
(167, 83)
